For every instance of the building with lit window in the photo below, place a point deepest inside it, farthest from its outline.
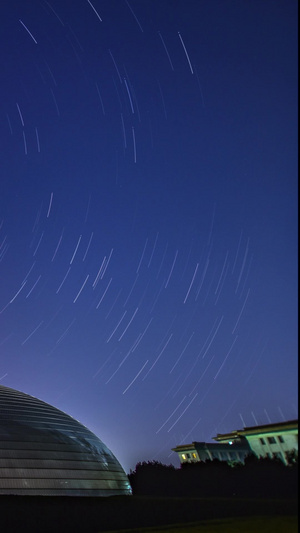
(270, 440)
(208, 451)
(44, 451)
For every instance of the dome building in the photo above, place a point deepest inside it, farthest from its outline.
(44, 451)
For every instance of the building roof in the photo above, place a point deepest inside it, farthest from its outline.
(254, 430)
(208, 445)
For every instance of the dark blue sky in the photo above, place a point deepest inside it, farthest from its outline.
(148, 196)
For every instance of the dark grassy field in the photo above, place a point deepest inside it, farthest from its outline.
(260, 524)
(256, 524)
(73, 514)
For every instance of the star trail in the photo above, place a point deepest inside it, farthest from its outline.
(148, 215)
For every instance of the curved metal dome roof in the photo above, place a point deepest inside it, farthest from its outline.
(44, 451)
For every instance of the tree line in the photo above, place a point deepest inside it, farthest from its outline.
(257, 477)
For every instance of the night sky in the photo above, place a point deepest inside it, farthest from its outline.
(148, 202)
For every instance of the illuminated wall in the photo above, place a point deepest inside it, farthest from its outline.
(275, 443)
(44, 451)
(267, 440)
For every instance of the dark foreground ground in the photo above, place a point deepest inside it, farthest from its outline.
(44, 514)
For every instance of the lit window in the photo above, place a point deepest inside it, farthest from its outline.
(280, 438)
(262, 441)
(194, 456)
(271, 440)
(183, 456)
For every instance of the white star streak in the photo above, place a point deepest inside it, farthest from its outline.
(135, 312)
(166, 50)
(115, 329)
(161, 264)
(183, 412)
(55, 102)
(154, 246)
(81, 288)
(202, 375)
(237, 252)
(73, 256)
(243, 266)
(134, 145)
(95, 11)
(21, 117)
(171, 269)
(135, 343)
(5, 248)
(220, 321)
(134, 16)
(34, 262)
(159, 355)
(115, 65)
(142, 335)
(99, 272)
(118, 367)
(228, 353)
(104, 293)
(138, 268)
(24, 283)
(222, 283)
(66, 331)
(134, 283)
(187, 55)
(188, 292)
(124, 133)
(37, 139)
(9, 124)
(58, 245)
(108, 260)
(103, 365)
(157, 296)
(63, 280)
(34, 286)
(220, 278)
(192, 429)
(32, 333)
(163, 100)
(173, 412)
(36, 222)
(246, 276)
(129, 96)
(101, 101)
(50, 7)
(135, 377)
(188, 342)
(38, 244)
(89, 243)
(28, 31)
(50, 204)
(268, 418)
(25, 144)
(243, 307)
(202, 279)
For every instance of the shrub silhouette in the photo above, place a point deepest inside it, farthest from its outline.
(152, 478)
(258, 477)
